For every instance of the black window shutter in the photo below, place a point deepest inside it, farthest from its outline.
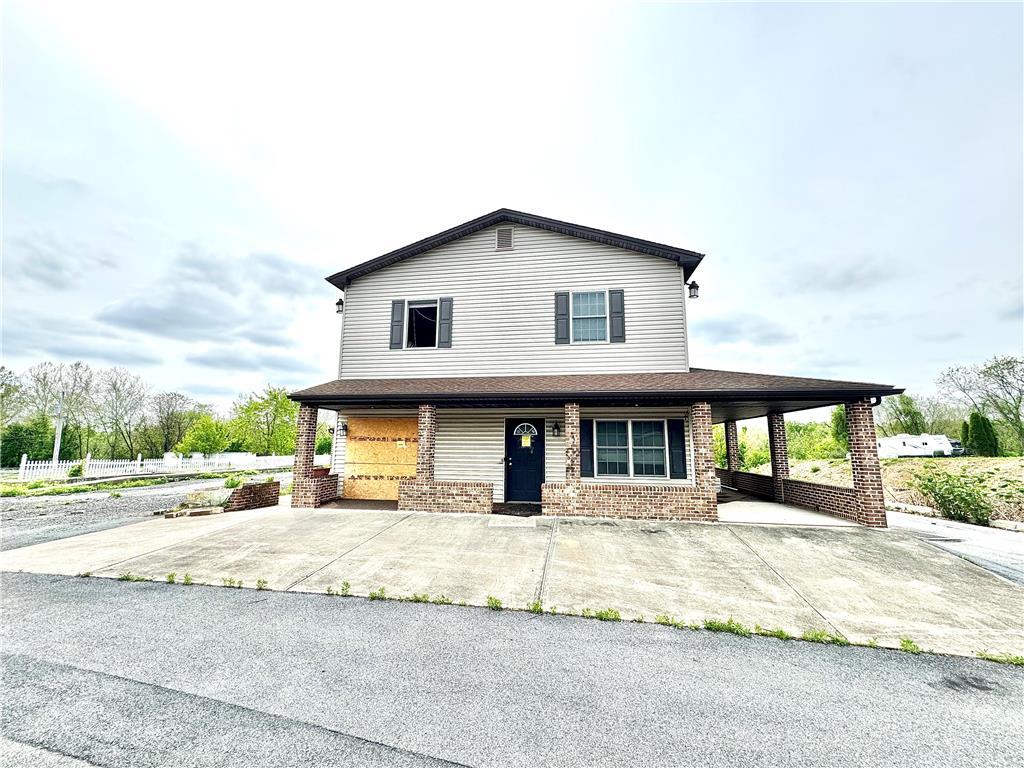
(444, 323)
(397, 323)
(586, 447)
(562, 318)
(677, 449)
(616, 316)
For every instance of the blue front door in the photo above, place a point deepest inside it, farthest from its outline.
(524, 459)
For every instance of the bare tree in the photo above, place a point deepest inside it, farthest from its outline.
(995, 389)
(172, 413)
(120, 407)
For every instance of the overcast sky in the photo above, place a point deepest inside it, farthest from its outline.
(179, 177)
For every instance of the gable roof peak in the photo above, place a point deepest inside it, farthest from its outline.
(688, 260)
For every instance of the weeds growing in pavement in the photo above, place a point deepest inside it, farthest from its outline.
(608, 614)
(85, 574)
(493, 603)
(535, 607)
(378, 594)
(1002, 658)
(261, 584)
(441, 600)
(330, 589)
(821, 636)
(414, 598)
(779, 633)
(187, 581)
(172, 577)
(129, 576)
(346, 589)
(908, 645)
(729, 625)
(229, 582)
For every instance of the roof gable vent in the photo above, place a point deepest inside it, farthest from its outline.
(503, 239)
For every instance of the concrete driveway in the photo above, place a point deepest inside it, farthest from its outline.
(860, 583)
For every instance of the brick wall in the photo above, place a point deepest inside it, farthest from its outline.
(867, 474)
(315, 491)
(645, 502)
(427, 443)
(779, 453)
(831, 499)
(253, 496)
(751, 483)
(445, 496)
(572, 442)
(732, 446)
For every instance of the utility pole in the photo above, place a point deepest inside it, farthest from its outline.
(58, 428)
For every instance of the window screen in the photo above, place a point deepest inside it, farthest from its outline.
(589, 316)
(649, 448)
(612, 448)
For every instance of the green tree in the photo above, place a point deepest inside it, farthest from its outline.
(206, 436)
(900, 415)
(33, 437)
(965, 435)
(982, 436)
(266, 423)
(324, 439)
(840, 431)
(754, 450)
(995, 388)
(812, 440)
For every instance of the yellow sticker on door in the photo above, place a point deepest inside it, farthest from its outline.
(526, 440)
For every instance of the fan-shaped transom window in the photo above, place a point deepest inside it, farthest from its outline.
(525, 429)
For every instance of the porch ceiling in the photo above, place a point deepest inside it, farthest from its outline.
(733, 395)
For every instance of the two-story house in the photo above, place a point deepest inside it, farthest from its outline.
(516, 359)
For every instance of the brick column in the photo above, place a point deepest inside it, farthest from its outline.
(732, 447)
(704, 462)
(572, 443)
(305, 442)
(867, 473)
(427, 443)
(779, 453)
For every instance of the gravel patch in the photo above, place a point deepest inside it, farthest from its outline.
(26, 520)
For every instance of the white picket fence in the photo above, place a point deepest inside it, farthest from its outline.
(49, 470)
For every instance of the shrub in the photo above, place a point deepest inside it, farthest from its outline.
(233, 482)
(77, 470)
(958, 497)
(981, 437)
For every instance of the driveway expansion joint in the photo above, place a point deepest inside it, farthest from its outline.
(796, 591)
(547, 561)
(348, 551)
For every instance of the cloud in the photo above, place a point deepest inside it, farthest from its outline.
(208, 297)
(233, 359)
(276, 274)
(740, 328)
(209, 389)
(45, 260)
(940, 336)
(1011, 309)
(27, 334)
(840, 275)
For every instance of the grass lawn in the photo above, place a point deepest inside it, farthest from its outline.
(1003, 478)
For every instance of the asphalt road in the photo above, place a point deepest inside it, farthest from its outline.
(26, 520)
(143, 674)
(996, 549)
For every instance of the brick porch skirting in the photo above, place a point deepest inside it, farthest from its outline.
(750, 483)
(445, 496)
(835, 500)
(643, 502)
(314, 491)
(253, 496)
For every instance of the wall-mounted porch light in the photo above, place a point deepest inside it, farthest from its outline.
(694, 288)
(340, 304)
(343, 427)
(556, 430)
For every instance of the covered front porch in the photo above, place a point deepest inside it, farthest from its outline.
(474, 445)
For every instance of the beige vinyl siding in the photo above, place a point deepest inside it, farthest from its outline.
(338, 448)
(471, 445)
(503, 311)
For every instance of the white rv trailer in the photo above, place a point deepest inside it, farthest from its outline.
(914, 445)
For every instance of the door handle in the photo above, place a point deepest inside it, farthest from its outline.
(507, 461)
